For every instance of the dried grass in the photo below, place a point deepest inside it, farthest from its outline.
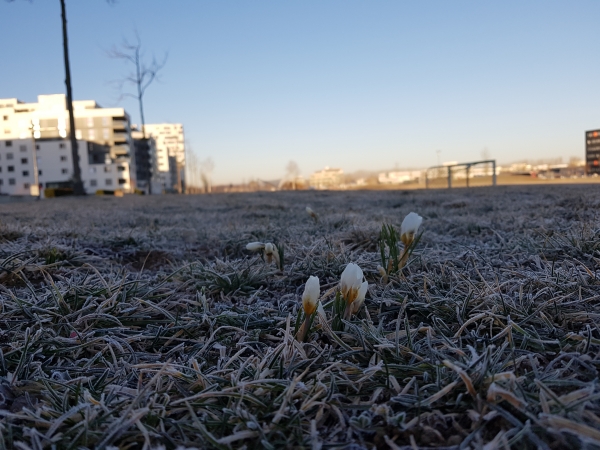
(143, 322)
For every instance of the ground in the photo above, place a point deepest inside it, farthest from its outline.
(144, 321)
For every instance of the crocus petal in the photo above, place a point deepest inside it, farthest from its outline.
(255, 246)
(269, 252)
(276, 256)
(410, 226)
(310, 297)
(360, 298)
(411, 223)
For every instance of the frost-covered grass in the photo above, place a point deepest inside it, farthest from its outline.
(144, 321)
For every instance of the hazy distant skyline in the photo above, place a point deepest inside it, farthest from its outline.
(350, 84)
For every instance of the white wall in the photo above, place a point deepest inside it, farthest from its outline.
(55, 165)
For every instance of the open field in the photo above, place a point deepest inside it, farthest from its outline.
(144, 321)
(504, 179)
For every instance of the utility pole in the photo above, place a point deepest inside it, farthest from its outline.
(77, 184)
(36, 172)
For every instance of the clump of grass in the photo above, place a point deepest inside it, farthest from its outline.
(52, 255)
(389, 249)
(228, 277)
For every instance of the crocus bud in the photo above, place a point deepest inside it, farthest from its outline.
(269, 250)
(350, 282)
(311, 213)
(255, 246)
(381, 271)
(360, 298)
(310, 297)
(410, 226)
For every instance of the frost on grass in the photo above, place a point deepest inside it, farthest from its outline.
(145, 322)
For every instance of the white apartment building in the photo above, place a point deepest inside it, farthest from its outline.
(49, 119)
(170, 152)
(55, 165)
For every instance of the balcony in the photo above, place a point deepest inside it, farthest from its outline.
(120, 123)
(120, 150)
(120, 137)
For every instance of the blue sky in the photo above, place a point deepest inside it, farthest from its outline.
(351, 84)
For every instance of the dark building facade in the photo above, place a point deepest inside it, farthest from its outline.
(592, 152)
(143, 160)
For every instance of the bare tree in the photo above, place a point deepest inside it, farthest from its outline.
(292, 171)
(143, 73)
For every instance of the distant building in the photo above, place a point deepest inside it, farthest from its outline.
(592, 152)
(327, 179)
(149, 178)
(55, 166)
(48, 119)
(170, 152)
(399, 177)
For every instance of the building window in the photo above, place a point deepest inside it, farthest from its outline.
(93, 183)
(64, 170)
(6, 131)
(11, 168)
(26, 173)
(5, 117)
(9, 156)
(8, 143)
(40, 172)
(26, 185)
(78, 135)
(1, 181)
(108, 182)
(106, 169)
(12, 181)
(105, 121)
(90, 121)
(92, 170)
(122, 181)
(63, 158)
(23, 148)
(24, 161)
(37, 147)
(61, 145)
(105, 134)
(120, 168)
(91, 134)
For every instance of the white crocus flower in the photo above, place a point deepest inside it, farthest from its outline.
(410, 226)
(310, 297)
(310, 302)
(270, 249)
(360, 298)
(350, 282)
(255, 246)
(272, 254)
(311, 213)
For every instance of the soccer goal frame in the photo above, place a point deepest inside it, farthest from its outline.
(467, 168)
